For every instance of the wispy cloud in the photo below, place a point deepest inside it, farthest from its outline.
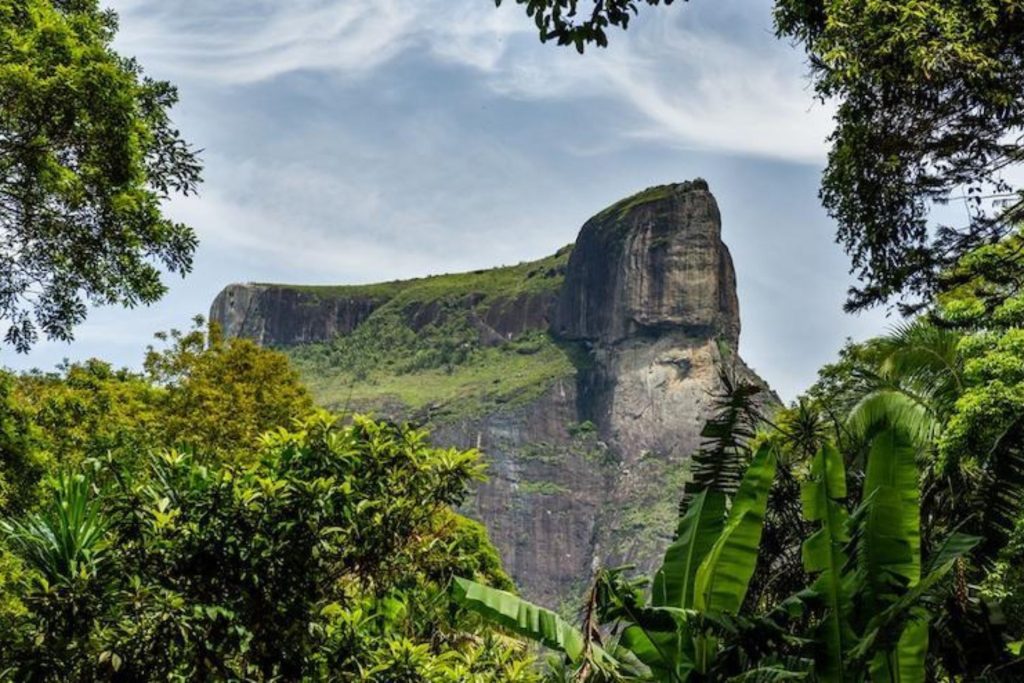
(688, 84)
(244, 41)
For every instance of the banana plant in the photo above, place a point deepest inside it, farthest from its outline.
(703, 581)
(869, 582)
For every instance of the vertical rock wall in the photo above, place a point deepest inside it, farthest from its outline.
(590, 472)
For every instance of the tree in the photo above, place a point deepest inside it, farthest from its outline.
(326, 559)
(21, 461)
(202, 392)
(222, 394)
(559, 19)
(88, 155)
(930, 105)
(91, 410)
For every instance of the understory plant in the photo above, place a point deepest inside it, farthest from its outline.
(327, 558)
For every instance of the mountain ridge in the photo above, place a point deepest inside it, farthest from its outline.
(584, 377)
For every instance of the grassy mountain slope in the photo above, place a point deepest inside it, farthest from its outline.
(422, 351)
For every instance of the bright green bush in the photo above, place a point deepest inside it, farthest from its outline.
(328, 558)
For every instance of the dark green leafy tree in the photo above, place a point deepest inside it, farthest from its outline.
(87, 156)
(565, 22)
(930, 106)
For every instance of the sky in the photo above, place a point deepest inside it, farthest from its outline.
(352, 141)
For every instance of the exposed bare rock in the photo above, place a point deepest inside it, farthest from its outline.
(590, 469)
(651, 263)
(278, 315)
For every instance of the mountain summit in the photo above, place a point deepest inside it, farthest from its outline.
(585, 378)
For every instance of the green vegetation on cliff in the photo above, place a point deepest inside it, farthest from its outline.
(453, 345)
(487, 379)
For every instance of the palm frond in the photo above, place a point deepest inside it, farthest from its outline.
(892, 409)
(721, 461)
(922, 359)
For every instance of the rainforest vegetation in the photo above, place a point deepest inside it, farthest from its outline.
(201, 519)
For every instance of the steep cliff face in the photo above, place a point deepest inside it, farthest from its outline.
(585, 378)
(273, 315)
(651, 263)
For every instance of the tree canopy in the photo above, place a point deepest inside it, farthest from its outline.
(88, 154)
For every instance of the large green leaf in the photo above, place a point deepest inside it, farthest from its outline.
(696, 534)
(529, 620)
(890, 553)
(824, 555)
(664, 652)
(913, 642)
(892, 538)
(724, 575)
(890, 408)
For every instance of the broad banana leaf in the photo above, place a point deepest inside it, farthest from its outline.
(724, 575)
(907, 608)
(824, 556)
(888, 408)
(890, 555)
(892, 539)
(698, 529)
(663, 652)
(522, 617)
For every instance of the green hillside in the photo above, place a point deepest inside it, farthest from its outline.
(390, 364)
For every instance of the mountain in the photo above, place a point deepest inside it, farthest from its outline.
(584, 378)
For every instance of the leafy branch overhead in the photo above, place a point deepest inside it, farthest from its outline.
(568, 24)
(88, 156)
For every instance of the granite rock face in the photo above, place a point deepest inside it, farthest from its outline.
(590, 472)
(651, 264)
(274, 315)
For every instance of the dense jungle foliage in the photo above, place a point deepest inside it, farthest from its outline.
(201, 521)
(871, 531)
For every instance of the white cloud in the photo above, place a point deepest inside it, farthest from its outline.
(688, 85)
(244, 41)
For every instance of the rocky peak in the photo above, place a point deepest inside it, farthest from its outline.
(588, 431)
(649, 264)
